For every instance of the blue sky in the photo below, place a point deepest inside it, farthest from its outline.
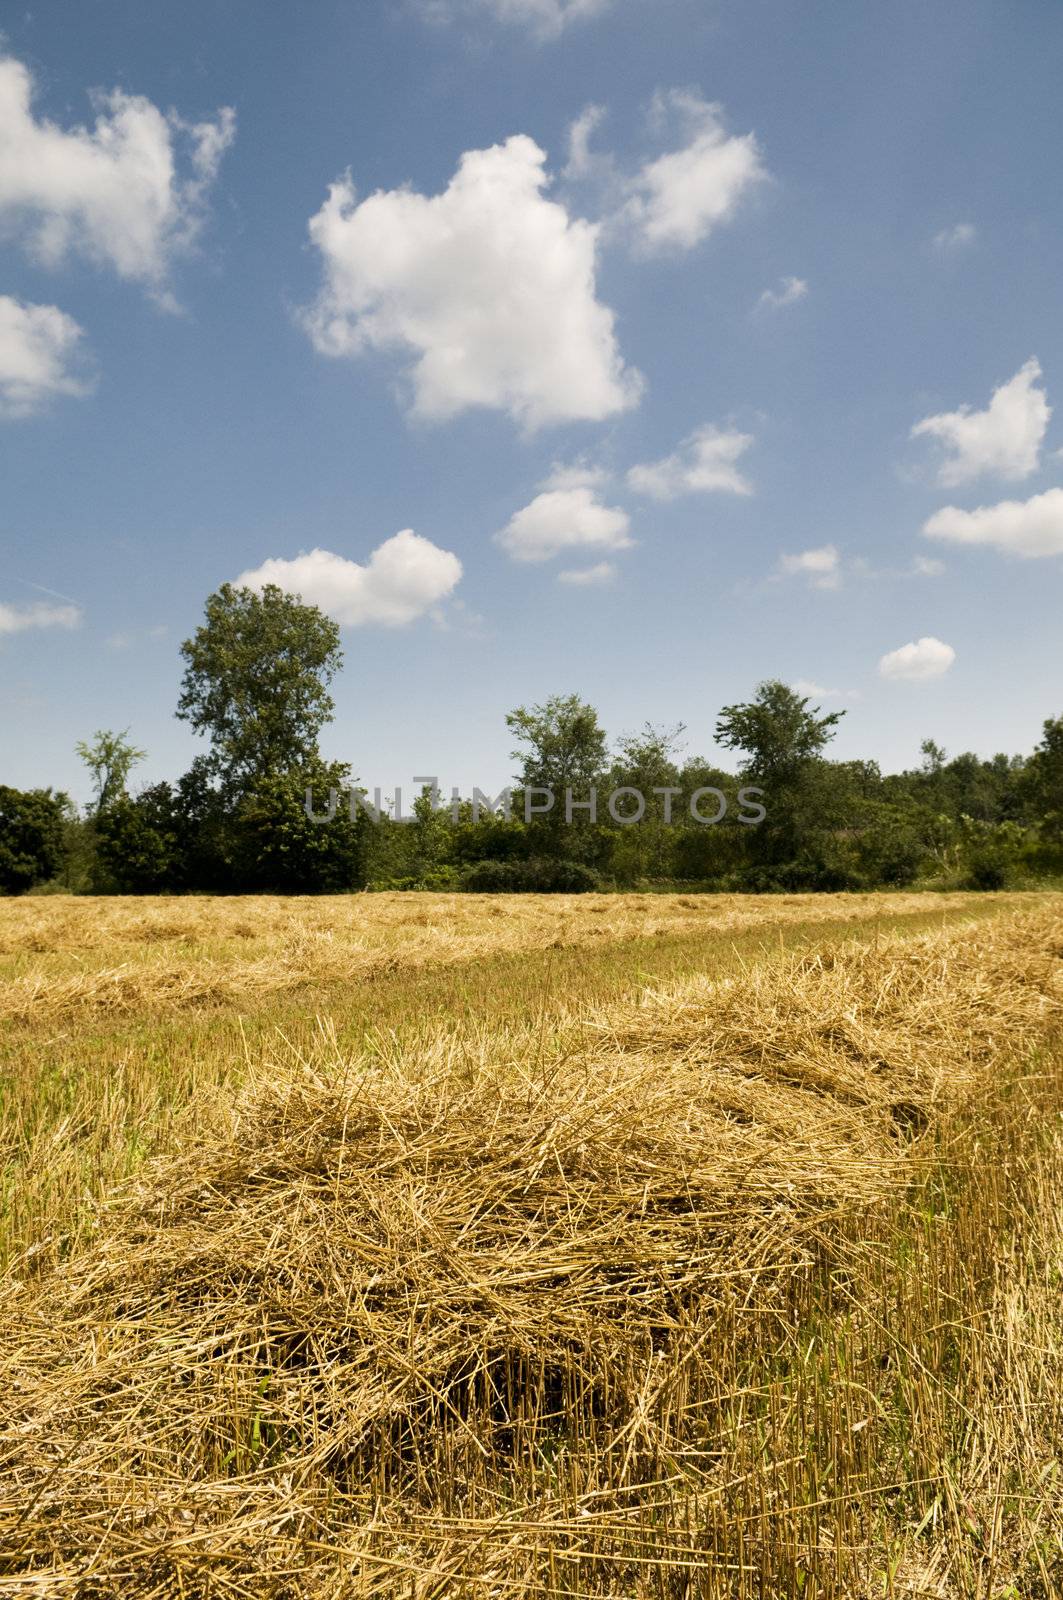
(628, 309)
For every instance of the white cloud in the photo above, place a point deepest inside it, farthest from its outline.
(814, 691)
(703, 464)
(1027, 528)
(821, 566)
(19, 619)
(916, 662)
(546, 19)
(564, 519)
(790, 290)
(958, 237)
(586, 577)
(1005, 439)
(577, 475)
(113, 193)
(38, 346)
(490, 284)
(581, 162)
(676, 201)
(404, 578)
(927, 567)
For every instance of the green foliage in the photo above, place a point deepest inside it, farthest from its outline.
(256, 682)
(110, 759)
(890, 847)
(782, 741)
(646, 761)
(992, 852)
(277, 847)
(1043, 782)
(560, 744)
(79, 869)
(777, 732)
(531, 877)
(263, 840)
(139, 841)
(32, 836)
(436, 880)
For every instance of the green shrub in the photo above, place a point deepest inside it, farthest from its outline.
(538, 876)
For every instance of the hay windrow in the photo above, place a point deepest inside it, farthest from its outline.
(438, 1319)
(57, 953)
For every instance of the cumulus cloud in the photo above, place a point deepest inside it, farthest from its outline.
(20, 619)
(403, 578)
(39, 350)
(587, 577)
(821, 566)
(703, 464)
(1027, 528)
(790, 290)
(918, 661)
(490, 285)
(564, 519)
(1004, 439)
(127, 193)
(959, 237)
(675, 201)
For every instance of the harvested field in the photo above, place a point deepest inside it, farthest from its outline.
(722, 1259)
(58, 954)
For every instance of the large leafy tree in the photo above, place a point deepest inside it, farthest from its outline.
(561, 745)
(31, 837)
(782, 738)
(777, 731)
(256, 683)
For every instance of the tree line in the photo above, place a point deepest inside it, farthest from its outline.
(256, 686)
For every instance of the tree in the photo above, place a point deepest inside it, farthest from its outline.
(783, 740)
(778, 732)
(139, 841)
(110, 759)
(256, 682)
(31, 837)
(1042, 780)
(933, 757)
(645, 761)
(278, 848)
(561, 745)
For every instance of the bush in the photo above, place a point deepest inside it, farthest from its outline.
(531, 877)
(988, 870)
(32, 837)
(436, 880)
(993, 852)
(138, 842)
(798, 877)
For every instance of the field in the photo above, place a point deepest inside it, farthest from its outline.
(428, 1246)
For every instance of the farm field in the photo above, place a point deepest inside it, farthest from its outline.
(432, 1245)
